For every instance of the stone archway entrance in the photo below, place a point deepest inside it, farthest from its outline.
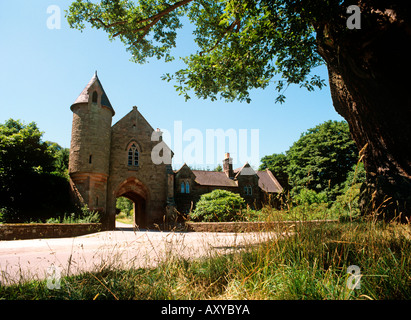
(137, 192)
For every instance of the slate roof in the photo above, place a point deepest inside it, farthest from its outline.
(244, 170)
(268, 182)
(84, 95)
(213, 178)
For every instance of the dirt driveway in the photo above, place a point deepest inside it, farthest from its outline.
(23, 260)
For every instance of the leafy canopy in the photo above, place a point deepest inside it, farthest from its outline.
(32, 173)
(242, 44)
(21, 149)
(277, 163)
(321, 159)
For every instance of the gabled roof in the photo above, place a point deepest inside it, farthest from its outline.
(85, 94)
(213, 178)
(185, 169)
(244, 170)
(268, 182)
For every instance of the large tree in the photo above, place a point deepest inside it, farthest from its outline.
(32, 184)
(245, 44)
(278, 164)
(322, 158)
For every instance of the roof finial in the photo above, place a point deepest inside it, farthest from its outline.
(95, 73)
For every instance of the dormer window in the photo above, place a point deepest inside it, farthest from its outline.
(133, 156)
(94, 97)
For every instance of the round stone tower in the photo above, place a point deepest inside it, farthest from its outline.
(90, 146)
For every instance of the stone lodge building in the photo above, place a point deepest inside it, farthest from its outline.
(107, 162)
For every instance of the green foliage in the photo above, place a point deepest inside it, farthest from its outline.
(85, 215)
(325, 178)
(318, 167)
(22, 150)
(124, 205)
(61, 158)
(347, 204)
(277, 163)
(242, 45)
(32, 186)
(218, 206)
(321, 159)
(307, 196)
(219, 168)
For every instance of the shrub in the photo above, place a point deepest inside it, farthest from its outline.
(84, 216)
(347, 205)
(219, 206)
(308, 196)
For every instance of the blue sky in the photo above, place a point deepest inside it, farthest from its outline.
(42, 71)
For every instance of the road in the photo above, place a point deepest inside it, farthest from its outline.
(23, 260)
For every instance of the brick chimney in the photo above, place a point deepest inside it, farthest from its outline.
(228, 165)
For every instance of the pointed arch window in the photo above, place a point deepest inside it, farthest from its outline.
(185, 187)
(133, 156)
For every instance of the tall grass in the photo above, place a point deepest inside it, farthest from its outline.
(308, 263)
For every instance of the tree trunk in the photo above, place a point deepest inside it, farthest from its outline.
(369, 73)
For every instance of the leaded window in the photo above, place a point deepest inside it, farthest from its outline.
(133, 156)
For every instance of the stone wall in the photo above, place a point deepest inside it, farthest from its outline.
(20, 231)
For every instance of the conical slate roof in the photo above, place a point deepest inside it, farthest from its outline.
(84, 95)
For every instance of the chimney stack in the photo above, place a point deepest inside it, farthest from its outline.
(228, 165)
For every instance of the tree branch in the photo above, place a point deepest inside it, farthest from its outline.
(166, 11)
(154, 19)
(236, 23)
(108, 25)
(146, 29)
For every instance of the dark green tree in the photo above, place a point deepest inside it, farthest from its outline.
(322, 158)
(246, 44)
(22, 151)
(28, 187)
(219, 168)
(61, 157)
(277, 163)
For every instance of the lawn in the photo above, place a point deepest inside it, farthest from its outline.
(123, 218)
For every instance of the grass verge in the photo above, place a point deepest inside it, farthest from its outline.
(309, 264)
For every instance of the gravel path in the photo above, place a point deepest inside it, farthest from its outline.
(23, 260)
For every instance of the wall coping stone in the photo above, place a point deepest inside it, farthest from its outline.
(23, 231)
